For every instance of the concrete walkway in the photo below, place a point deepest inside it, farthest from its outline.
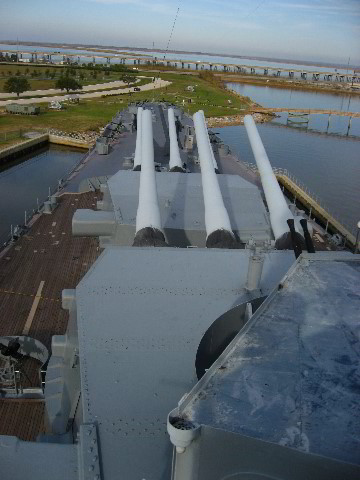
(60, 98)
(54, 91)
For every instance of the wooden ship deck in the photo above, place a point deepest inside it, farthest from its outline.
(48, 253)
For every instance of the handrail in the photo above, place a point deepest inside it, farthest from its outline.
(304, 188)
(38, 207)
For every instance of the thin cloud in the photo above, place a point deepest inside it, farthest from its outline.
(327, 7)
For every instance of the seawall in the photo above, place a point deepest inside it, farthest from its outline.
(11, 153)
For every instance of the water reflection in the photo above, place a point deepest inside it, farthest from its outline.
(328, 165)
(25, 182)
(285, 97)
(326, 124)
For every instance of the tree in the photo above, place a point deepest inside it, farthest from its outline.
(128, 79)
(68, 83)
(27, 71)
(18, 73)
(70, 71)
(16, 85)
(82, 76)
(52, 74)
(47, 73)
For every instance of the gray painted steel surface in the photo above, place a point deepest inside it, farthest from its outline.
(141, 315)
(182, 207)
(290, 377)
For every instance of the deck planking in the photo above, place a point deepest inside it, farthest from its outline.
(49, 253)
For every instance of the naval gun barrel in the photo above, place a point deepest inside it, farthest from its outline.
(210, 147)
(217, 223)
(148, 221)
(278, 208)
(175, 164)
(137, 158)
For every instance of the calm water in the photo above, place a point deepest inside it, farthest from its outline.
(284, 97)
(318, 151)
(329, 166)
(22, 184)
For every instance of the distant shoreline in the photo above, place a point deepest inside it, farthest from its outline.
(181, 52)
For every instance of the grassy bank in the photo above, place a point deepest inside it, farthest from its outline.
(92, 114)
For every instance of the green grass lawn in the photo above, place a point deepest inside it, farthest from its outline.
(209, 95)
(91, 114)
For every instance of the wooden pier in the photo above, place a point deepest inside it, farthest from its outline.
(307, 111)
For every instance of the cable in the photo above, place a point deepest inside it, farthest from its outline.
(253, 11)
(172, 31)
(11, 292)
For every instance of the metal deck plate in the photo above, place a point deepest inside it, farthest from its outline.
(292, 376)
(141, 315)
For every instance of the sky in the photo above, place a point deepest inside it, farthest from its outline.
(313, 30)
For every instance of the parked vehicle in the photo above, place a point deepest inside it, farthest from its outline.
(56, 105)
(17, 109)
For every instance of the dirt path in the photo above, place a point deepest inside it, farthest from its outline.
(60, 98)
(54, 91)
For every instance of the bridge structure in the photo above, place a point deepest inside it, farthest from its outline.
(257, 69)
(188, 64)
(47, 56)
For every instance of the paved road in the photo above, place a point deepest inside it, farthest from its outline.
(54, 91)
(60, 98)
